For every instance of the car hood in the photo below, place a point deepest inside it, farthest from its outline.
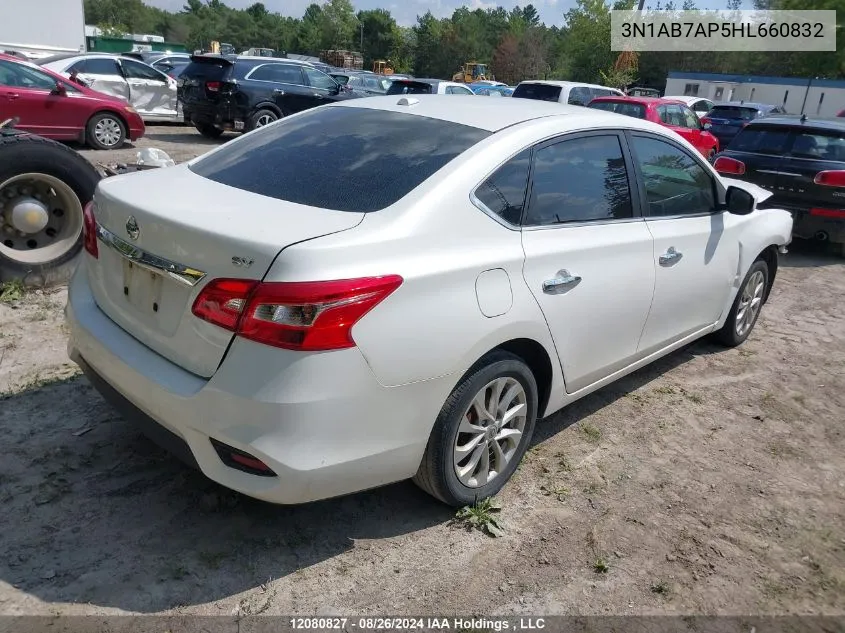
(758, 192)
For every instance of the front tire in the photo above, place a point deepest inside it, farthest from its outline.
(106, 131)
(746, 307)
(482, 431)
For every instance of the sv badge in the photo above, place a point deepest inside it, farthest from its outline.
(242, 262)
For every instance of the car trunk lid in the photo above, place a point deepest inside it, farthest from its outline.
(205, 79)
(159, 248)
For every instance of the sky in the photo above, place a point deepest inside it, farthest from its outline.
(406, 11)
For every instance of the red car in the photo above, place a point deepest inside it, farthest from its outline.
(667, 112)
(50, 105)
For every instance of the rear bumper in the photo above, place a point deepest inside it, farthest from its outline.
(321, 422)
(223, 116)
(819, 227)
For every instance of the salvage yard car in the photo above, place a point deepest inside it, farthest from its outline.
(47, 104)
(298, 334)
(149, 91)
(221, 93)
(563, 91)
(801, 161)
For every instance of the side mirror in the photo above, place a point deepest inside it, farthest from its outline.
(59, 89)
(707, 126)
(738, 201)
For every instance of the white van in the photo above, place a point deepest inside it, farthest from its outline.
(570, 92)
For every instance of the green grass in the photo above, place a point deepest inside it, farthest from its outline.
(592, 433)
(11, 291)
(481, 516)
(661, 587)
(600, 566)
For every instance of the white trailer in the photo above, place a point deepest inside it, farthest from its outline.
(40, 28)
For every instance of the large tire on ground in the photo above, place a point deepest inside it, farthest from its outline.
(746, 307)
(208, 130)
(260, 119)
(482, 432)
(44, 186)
(106, 130)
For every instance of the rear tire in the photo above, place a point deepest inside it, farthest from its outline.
(746, 307)
(208, 130)
(53, 257)
(260, 119)
(461, 465)
(106, 131)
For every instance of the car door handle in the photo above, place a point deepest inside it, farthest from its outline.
(318, 95)
(670, 257)
(562, 283)
(13, 95)
(278, 91)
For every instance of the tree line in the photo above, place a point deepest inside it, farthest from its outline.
(514, 42)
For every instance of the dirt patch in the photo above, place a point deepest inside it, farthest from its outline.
(709, 482)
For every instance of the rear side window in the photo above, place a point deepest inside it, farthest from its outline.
(539, 92)
(580, 95)
(344, 159)
(733, 112)
(503, 193)
(96, 67)
(579, 180)
(761, 140)
(818, 145)
(635, 110)
(409, 88)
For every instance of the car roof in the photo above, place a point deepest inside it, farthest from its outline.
(486, 114)
(646, 101)
(745, 104)
(565, 84)
(836, 124)
(687, 99)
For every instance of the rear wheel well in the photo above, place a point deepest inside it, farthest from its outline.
(538, 361)
(770, 256)
(268, 106)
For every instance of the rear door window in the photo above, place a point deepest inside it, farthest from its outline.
(279, 73)
(539, 92)
(97, 66)
(579, 180)
(761, 140)
(579, 95)
(344, 159)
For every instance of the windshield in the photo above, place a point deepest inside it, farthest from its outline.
(340, 158)
(627, 108)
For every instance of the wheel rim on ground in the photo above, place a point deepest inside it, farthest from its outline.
(108, 132)
(490, 432)
(40, 218)
(264, 119)
(750, 302)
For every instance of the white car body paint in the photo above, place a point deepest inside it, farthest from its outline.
(330, 423)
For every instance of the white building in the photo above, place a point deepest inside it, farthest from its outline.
(814, 97)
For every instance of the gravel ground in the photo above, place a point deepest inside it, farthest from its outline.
(712, 482)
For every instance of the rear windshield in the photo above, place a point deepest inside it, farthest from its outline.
(820, 145)
(540, 92)
(620, 107)
(733, 112)
(761, 140)
(339, 158)
(409, 88)
(207, 68)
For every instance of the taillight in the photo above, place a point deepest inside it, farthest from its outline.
(312, 316)
(705, 121)
(833, 178)
(212, 86)
(730, 166)
(838, 214)
(222, 301)
(89, 230)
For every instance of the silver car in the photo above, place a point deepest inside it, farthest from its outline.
(151, 92)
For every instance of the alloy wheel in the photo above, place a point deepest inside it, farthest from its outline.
(750, 302)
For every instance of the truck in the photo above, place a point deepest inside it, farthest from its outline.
(41, 28)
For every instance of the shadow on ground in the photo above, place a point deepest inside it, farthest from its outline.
(810, 254)
(96, 513)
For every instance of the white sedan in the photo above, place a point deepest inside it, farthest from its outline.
(402, 287)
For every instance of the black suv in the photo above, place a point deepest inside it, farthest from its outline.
(802, 161)
(220, 93)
